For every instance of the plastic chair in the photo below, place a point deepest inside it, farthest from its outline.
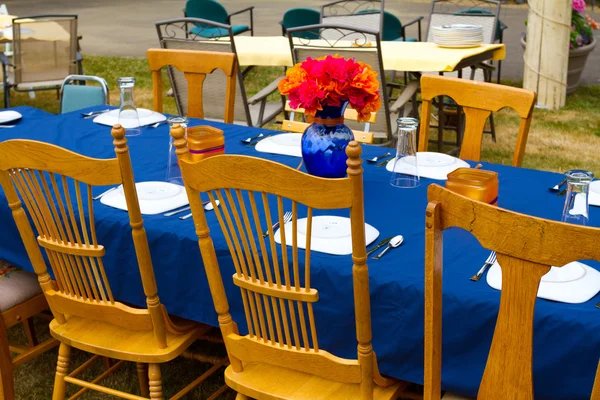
(295, 17)
(75, 97)
(214, 11)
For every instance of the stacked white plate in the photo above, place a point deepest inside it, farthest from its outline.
(573, 283)
(330, 234)
(429, 165)
(146, 117)
(458, 35)
(288, 144)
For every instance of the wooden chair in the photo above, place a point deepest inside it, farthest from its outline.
(478, 100)
(56, 187)
(21, 298)
(291, 125)
(281, 359)
(195, 65)
(596, 388)
(526, 248)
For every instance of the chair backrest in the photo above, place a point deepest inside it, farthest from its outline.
(195, 65)
(279, 333)
(291, 125)
(447, 12)
(526, 247)
(45, 47)
(206, 9)
(392, 27)
(357, 14)
(349, 43)
(296, 17)
(174, 34)
(75, 97)
(55, 185)
(478, 100)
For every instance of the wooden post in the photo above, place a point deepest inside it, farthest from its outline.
(547, 51)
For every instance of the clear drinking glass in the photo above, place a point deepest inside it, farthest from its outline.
(128, 114)
(575, 210)
(173, 171)
(405, 173)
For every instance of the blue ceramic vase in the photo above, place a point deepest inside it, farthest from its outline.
(324, 144)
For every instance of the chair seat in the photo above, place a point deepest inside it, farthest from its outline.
(218, 32)
(263, 381)
(113, 341)
(452, 396)
(16, 286)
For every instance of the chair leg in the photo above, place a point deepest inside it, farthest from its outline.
(62, 369)
(241, 397)
(492, 127)
(30, 332)
(6, 368)
(142, 371)
(155, 381)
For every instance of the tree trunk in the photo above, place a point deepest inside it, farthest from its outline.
(547, 53)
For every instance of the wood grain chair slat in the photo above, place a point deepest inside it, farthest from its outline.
(53, 186)
(478, 100)
(280, 355)
(526, 247)
(195, 65)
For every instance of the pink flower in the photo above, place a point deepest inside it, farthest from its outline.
(579, 5)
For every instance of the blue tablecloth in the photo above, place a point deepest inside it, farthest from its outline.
(567, 339)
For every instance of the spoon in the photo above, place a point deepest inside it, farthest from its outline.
(250, 139)
(156, 125)
(207, 207)
(394, 242)
(375, 159)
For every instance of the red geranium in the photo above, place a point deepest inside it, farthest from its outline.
(329, 81)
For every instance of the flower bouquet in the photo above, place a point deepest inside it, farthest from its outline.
(323, 87)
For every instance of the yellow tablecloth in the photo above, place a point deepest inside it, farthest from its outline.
(398, 56)
(50, 31)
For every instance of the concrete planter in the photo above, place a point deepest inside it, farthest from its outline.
(577, 60)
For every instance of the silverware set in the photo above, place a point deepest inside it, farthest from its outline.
(252, 141)
(559, 188)
(93, 114)
(379, 157)
(388, 243)
(287, 217)
(488, 263)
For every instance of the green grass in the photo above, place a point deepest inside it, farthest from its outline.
(558, 140)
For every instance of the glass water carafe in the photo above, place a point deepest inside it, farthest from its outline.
(173, 170)
(128, 113)
(405, 172)
(576, 206)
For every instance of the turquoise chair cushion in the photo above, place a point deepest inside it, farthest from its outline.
(76, 97)
(295, 17)
(410, 39)
(217, 32)
(206, 9)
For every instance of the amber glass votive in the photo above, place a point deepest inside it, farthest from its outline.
(476, 184)
(205, 141)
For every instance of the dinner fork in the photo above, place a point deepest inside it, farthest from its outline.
(287, 217)
(488, 263)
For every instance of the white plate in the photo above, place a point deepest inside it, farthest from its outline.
(146, 117)
(154, 197)
(9, 116)
(594, 194)
(430, 165)
(573, 283)
(330, 235)
(288, 144)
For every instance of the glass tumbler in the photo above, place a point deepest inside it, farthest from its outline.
(405, 172)
(173, 171)
(128, 114)
(576, 206)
